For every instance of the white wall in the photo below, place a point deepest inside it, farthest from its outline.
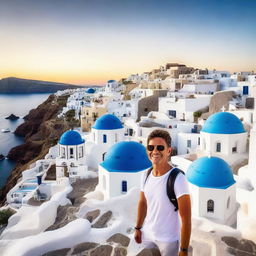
(209, 141)
(252, 150)
(114, 182)
(200, 88)
(113, 136)
(184, 107)
(221, 214)
(246, 115)
(183, 142)
(181, 162)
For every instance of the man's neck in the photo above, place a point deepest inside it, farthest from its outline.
(161, 169)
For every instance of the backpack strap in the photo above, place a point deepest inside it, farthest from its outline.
(148, 173)
(170, 187)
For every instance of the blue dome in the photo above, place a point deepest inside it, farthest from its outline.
(111, 81)
(210, 172)
(71, 138)
(90, 90)
(107, 122)
(223, 123)
(126, 156)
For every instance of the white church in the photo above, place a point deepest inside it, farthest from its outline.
(213, 190)
(121, 170)
(223, 135)
(106, 131)
(71, 156)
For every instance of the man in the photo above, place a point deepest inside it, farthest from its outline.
(158, 223)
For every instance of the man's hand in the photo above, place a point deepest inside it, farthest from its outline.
(137, 236)
(183, 253)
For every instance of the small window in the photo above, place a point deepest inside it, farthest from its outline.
(71, 152)
(63, 153)
(189, 143)
(210, 206)
(198, 142)
(234, 150)
(124, 186)
(81, 152)
(103, 156)
(172, 113)
(104, 138)
(218, 147)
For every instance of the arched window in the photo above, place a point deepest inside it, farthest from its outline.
(124, 186)
(71, 152)
(62, 152)
(234, 148)
(228, 202)
(103, 156)
(218, 147)
(81, 152)
(210, 205)
(104, 138)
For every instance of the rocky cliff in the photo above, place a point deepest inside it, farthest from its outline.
(41, 130)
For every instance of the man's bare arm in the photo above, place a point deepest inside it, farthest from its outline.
(185, 214)
(142, 212)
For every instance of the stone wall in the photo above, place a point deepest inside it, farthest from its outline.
(147, 104)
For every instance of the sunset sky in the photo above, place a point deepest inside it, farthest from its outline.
(92, 41)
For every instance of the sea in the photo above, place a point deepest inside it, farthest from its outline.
(19, 105)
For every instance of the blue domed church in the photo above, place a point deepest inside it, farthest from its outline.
(106, 131)
(71, 156)
(122, 168)
(223, 135)
(213, 190)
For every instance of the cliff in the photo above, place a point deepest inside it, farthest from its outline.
(41, 130)
(18, 85)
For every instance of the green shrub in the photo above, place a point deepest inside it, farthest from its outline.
(5, 215)
(197, 113)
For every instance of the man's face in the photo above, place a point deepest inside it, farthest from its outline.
(158, 156)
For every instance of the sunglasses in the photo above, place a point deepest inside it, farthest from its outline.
(158, 147)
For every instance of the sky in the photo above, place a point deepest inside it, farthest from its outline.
(92, 41)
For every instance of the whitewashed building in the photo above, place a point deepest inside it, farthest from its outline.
(122, 168)
(71, 157)
(224, 136)
(113, 86)
(183, 107)
(107, 131)
(213, 190)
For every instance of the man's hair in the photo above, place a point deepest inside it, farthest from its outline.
(160, 134)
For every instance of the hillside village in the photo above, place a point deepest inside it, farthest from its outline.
(81, 199)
